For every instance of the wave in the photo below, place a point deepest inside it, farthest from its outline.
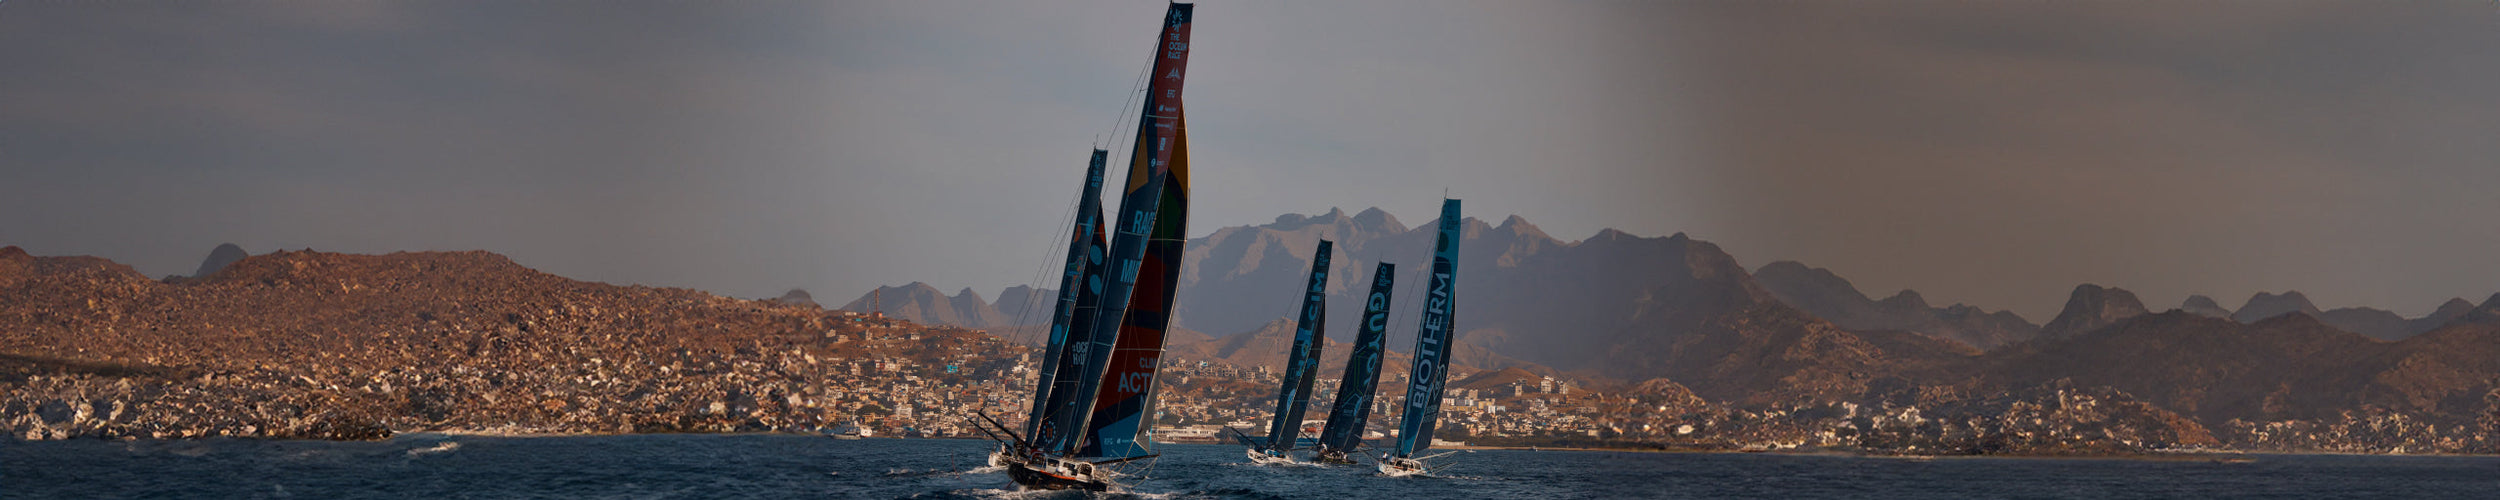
(444, 447)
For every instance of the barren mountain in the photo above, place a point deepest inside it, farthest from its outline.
(219, 258)
(2291, 366)
(1613, 306)
(2091, 307)
(2201, 305)
(2266, 305)
(1824, 294)
(2383, 325)
(921, 303)
(798, 297)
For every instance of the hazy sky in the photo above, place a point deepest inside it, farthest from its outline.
(1995, 153)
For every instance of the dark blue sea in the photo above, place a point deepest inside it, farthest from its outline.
(795, 466)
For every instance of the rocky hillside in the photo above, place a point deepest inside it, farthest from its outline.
(312, 344)
(2289, 367)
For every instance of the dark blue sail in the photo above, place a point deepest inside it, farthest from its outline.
(1063, 408)
(1432, 345)
(1084, 249)
(1362, 368)
(1127, 344)
(1302, 362)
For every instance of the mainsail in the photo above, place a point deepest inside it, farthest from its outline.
(1432, 345)
(1302, 363)
(1084, 271)
(1145, 259)
(1095, 388)
(1362, 368)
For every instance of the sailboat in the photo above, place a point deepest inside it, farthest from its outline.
(1432, 355)
(1301, 366)
(1095, 388)
(1346, 419)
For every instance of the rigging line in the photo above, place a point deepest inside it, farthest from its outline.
(1407, 321)
(1144, 72)
(1053, 253)
(1415, 288)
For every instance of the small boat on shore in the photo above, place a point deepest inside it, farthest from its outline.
(849, 431)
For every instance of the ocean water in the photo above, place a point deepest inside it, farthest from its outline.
(794, 466)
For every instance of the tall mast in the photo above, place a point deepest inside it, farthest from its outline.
(1085, 248)
(1302, 362)
(1362, 367)
(1144, 260)
(1432, 345)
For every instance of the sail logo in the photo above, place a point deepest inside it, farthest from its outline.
(1424, 381)
(1136, 382)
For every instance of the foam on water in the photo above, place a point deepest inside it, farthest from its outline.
(445, 447)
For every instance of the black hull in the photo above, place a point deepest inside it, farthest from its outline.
(1333, 458)
(1034, 479)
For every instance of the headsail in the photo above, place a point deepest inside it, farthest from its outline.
(1432, 345)
(1362, 368)
(1085, 247)
(1145, 260)
(1302, 362)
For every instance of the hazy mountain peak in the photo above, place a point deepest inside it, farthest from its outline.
(2091, 307)
(1519, 226)
(1798, 283)
(1377, 220)
(219, 258)
(2454, 307)
(2488, 312)
(1825, 294)
(2266, 305)
(797, 296)
(1021, 302)
(2204, 306)
(1612, 234)
(1905, 299)
(1290, 222)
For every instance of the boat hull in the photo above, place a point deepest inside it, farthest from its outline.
(1403, 467)
(1037, 479)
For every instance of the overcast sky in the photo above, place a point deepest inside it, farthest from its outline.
(1995, 153)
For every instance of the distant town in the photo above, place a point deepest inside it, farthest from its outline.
(903, 380)
(312, 345)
